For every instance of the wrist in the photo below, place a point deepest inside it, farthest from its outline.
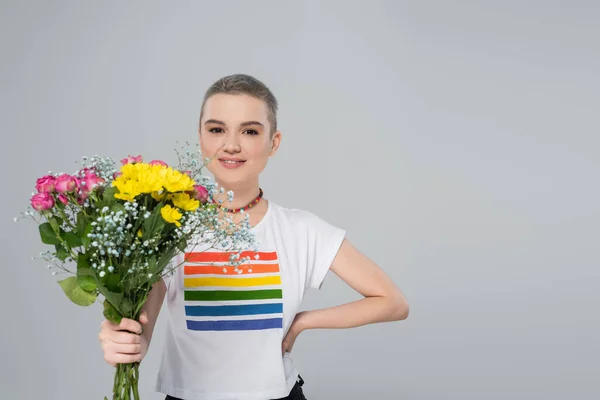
(302, 321)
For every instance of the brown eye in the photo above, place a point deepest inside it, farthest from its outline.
(251, 132)
(215, 130)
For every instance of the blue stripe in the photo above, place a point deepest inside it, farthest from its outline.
(243, 325)
(242, 309)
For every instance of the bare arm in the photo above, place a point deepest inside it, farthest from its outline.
(382, 301)
(128, 342)
(151, 308)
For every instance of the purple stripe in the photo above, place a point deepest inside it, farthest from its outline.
(239, 325)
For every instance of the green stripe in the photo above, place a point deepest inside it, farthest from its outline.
(215, 295)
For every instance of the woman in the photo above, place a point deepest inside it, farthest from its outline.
(231, 334)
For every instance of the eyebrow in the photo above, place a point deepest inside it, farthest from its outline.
(247, 123)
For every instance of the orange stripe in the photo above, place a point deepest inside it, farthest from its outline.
(213, 269)
(220, 256)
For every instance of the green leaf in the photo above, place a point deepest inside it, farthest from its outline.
(72, 239)
(113, 283)
(83, 261)
(166, 258)
(113, 297)
(85, 239)
(118, 207)
(108, 197)
(75, 293)
(81, 223)
(151, 264)
(111, 313)
(60, 205)
(153, 223)
(48, 235)
(55, 222)
(87, 279)
(87, 282)
(61, 252)
(182, 245)
(126, 306)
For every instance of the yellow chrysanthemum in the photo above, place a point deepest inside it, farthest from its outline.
(151, 179)
(175, 181)
(128, 189)
(132, 171)
(171, 214)
(159, 196)
(185, 202)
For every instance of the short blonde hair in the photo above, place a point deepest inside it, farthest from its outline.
(248, 85)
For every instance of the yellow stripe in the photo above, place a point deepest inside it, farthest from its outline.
(234, 282)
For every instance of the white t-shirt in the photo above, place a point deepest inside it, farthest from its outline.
(225, 329)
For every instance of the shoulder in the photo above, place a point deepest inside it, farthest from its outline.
(300, 219)
(295, 216)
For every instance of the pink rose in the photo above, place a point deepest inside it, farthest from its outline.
(81, 198)
(42, 201)
(63, 199)
(89, 182)
(158, 162)
(65, 183)
(131, 160)
(45, 184)
(86, 170)
(201, 193)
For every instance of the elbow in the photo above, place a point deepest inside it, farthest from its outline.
(400, 309)
(404, 313)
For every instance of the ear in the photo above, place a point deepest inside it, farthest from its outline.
(275, 142)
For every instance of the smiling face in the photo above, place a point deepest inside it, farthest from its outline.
(235, 132)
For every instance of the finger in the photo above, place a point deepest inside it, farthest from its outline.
(118, 358)
(125, 338)
(130, 325)
(144, 317)
(126, 348)
(106, 324)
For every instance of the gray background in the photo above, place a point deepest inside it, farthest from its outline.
(457, 142)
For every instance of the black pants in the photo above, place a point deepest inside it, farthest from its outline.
(295, 394)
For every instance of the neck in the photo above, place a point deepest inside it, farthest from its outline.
(242, 194)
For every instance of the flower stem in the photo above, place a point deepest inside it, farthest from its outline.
(136, 394)
(126, 382)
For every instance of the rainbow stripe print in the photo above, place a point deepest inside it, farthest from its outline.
(219, 298)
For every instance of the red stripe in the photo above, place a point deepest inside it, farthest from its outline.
(221, 256)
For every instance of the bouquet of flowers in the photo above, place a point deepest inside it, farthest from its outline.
(122, 228)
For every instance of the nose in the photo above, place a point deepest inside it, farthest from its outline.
(232, 143)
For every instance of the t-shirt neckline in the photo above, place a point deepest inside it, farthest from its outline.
(262, 221)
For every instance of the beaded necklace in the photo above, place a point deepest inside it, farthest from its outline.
(246, 207)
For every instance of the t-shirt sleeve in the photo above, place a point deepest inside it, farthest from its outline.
(169, 276)
(324, 241)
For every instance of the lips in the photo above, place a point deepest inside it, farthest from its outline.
(231, 162)
(232, 159)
